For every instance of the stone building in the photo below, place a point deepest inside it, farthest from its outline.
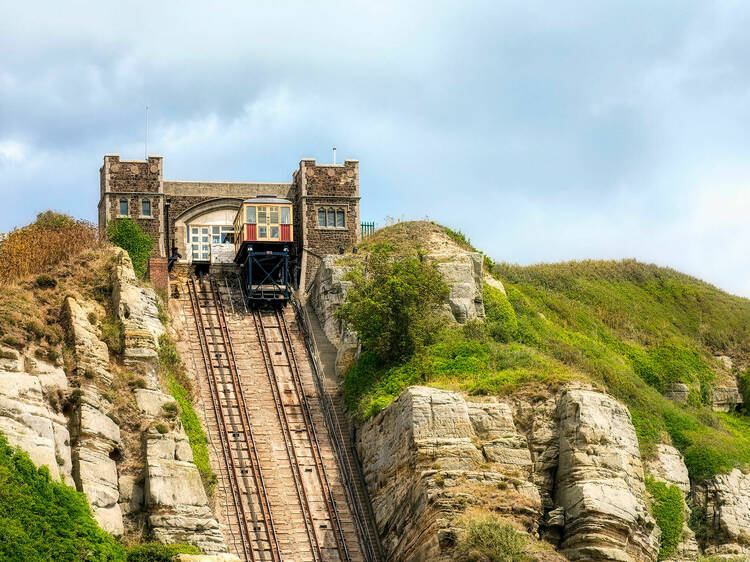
(194, 218)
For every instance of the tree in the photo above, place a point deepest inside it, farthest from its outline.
(126, 234)
(391, 304)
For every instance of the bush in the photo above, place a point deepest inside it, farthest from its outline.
(37, 247)
(8, 354)
(490, 538)
(41, 519)
(161, 428)
(13, 342)
(500, 316)
(158, 552)
(112, 335)
(46, 282)
(170, 409)
(669, 514)
(126, 234)
(391, 304)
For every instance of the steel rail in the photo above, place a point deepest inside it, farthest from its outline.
(360, 503)
(312, 436)
(286, 431)
(260, 485)
(219, 413)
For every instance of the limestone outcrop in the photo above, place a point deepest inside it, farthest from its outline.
(600, 482)
(669, 467)
(137, 309)
(462, 271)
(327, 296)
(726, 501)
(427, 458)
(28, 420)
(174, 496)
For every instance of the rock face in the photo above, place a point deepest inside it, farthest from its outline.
(137, 310)
(600, 482)
(429, 456)
(174, 496)
(29, 422)
(573, 475)
(726, 499)
(463, 273)
(727, 396)
(669, 467)
(327, 296)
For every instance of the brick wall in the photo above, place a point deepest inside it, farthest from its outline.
(159, 274)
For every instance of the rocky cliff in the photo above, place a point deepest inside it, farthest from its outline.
(99, 424)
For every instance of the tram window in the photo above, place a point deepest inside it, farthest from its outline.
(322, 218)
(250, 214)
(262, 232)
(274, 212)
(331, 218)
(261, 215)
(275, 232)
(285, 215)
(340, 218)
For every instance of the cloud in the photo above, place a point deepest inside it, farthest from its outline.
(545, 131)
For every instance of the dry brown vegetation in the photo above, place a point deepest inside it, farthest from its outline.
(51, 239)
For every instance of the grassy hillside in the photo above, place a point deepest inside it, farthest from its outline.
(630, 328)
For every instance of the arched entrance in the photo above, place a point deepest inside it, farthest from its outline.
(205, 233)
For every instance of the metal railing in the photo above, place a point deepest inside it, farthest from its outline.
(368, 228)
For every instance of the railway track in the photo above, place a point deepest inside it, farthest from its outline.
(249, 497)
(280, 501)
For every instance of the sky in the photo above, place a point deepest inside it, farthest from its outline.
(544, 131)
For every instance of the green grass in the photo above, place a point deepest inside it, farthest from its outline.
(669, 514)
(630, 328)
(44, 520)
(174, 372)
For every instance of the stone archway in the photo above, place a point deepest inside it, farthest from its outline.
(196, 230)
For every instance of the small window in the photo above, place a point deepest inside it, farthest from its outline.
(322, 218)
(274, 212)
(331, 218)
(285, 215)
(124, 208)
(340, 218)
(146, 208)
(261, 215)
(275, 232)
(250, 215)
(227, 237)
(262, 232)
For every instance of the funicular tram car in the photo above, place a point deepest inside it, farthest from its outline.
(264, 249)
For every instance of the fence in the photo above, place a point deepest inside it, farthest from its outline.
(367, 229)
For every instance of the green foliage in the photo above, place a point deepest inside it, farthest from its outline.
(13, 342)
(46, 282)
(490, 538)
(391, 303)
(174, 371)
(8, 354)
(53, 220)
(501, 320)
(161, 428)
(112, 334)
(44, 520)
(158, 552)
(698, 523)
(126, 234)
(669, 514)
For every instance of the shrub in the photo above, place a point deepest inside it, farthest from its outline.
(391, 304)
(491, 538)
(161, 428)
(126, 234)
(669, 514)
(41, 519)
(500, 316)
(46, 282)
(137, 382)
(158, 552)
(52, 355)
(8, 354)
(170, 409)
(114, 418)
(13, 342)
(35, 329)
(112, 335)
(37, 247)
